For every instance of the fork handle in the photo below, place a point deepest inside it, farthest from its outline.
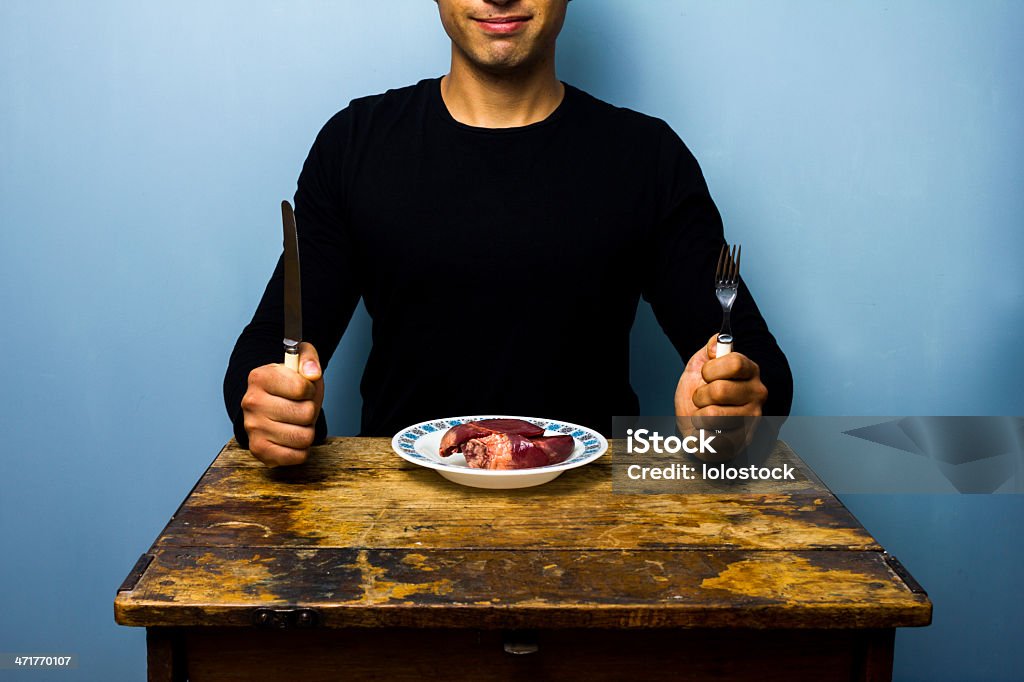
(724, 345)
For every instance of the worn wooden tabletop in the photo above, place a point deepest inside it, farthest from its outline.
(368, 539)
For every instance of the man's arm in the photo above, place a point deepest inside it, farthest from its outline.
(330, 292)
(683, 248)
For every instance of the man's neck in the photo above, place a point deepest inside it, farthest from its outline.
(487, 100)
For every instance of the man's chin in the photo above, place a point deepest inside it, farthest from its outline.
(502, 65)
(504, 59)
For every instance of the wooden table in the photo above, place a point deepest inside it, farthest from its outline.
(359, 565)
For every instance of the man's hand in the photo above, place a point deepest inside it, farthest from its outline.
(718, 393)
(281, 407)
(729, 386)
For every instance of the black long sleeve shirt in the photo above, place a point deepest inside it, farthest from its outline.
(501, 268)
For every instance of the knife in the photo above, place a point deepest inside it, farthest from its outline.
(292, 289)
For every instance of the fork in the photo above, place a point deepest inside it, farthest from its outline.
(727, 282)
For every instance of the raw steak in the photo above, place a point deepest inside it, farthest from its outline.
(455, 437)
(510, 451)
(504, 451)
(558, 448)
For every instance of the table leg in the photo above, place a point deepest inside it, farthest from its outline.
(165, 655)
(876, 659)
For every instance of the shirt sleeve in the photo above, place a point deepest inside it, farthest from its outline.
(683, 248)
(330, 288)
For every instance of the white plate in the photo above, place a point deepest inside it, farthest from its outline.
(421, 443)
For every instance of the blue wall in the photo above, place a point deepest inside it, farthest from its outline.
(867, 155)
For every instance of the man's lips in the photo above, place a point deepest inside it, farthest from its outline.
(502, 24)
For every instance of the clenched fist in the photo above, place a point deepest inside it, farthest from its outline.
(280, 409)
(723, 394)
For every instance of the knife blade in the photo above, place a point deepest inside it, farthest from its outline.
(292, 289)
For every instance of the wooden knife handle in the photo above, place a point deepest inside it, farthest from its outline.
(291, 359)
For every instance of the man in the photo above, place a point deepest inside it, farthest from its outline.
(501, 227)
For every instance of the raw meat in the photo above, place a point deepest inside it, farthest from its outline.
(503, 451)
(505, 444)
(557, 448)
(453, 439)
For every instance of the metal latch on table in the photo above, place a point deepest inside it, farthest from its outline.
(286, 619)
(898, 568)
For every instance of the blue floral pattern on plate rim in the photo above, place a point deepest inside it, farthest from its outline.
(589, 443)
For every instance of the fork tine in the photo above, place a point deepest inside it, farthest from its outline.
(720, 268)
(736, 270)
